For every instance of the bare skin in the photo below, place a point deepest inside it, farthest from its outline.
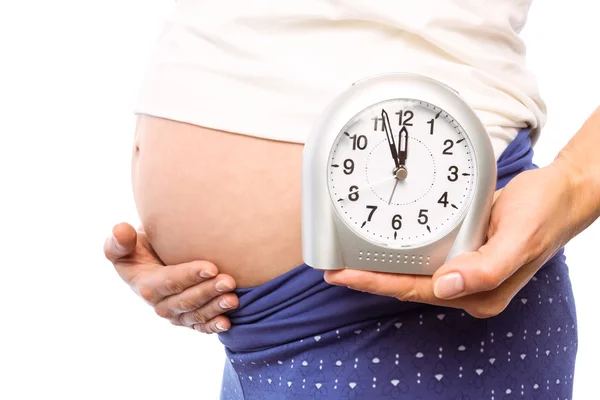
(191, 294)
(204, 194)
(232, 199)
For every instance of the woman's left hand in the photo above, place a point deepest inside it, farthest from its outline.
(535, 215)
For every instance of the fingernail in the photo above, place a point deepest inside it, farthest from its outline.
(220, 327)
(449, 285)
(206, 274)
(116, 243)
(224, 304)
(223, 286)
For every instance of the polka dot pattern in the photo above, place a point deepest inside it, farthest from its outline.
(432, 353)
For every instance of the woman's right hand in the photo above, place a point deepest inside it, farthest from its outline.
(191, 294)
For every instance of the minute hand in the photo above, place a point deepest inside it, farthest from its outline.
(390, 136)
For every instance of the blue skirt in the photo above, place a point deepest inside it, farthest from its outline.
(297, 337)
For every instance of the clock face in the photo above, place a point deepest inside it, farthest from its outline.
(401, 173)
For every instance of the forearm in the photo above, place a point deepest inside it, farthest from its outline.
(580, 159)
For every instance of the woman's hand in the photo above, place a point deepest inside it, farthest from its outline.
(536, 214)
(189, 294)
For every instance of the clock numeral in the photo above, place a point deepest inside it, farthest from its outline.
(376, 121)
(430, 123)
(372, 208)
(449, 143)
(397, 222)
(407, 116)
(444, 199)
(353, 196)
(423, 218)
(453, 177)
(359, 142)
(348, 166)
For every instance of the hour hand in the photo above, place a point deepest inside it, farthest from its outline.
(390, 136)
(403, 147)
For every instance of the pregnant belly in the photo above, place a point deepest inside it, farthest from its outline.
(203, 194)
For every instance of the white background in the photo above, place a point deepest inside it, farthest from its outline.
(69, 72)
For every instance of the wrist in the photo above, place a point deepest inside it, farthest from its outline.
(580, 185)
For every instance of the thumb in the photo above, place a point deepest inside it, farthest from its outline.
(481, 270)
(121, 242)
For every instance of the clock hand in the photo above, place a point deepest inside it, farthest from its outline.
(392, 196)
(402, 172)
(370, 186)
(403, 146)
(390, 136)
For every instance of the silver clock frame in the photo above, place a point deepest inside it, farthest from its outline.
(328, 243)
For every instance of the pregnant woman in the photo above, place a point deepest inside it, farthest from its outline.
(230, 95)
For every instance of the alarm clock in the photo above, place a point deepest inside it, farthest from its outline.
(398, 175)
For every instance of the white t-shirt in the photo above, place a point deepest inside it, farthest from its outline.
(268, 68)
